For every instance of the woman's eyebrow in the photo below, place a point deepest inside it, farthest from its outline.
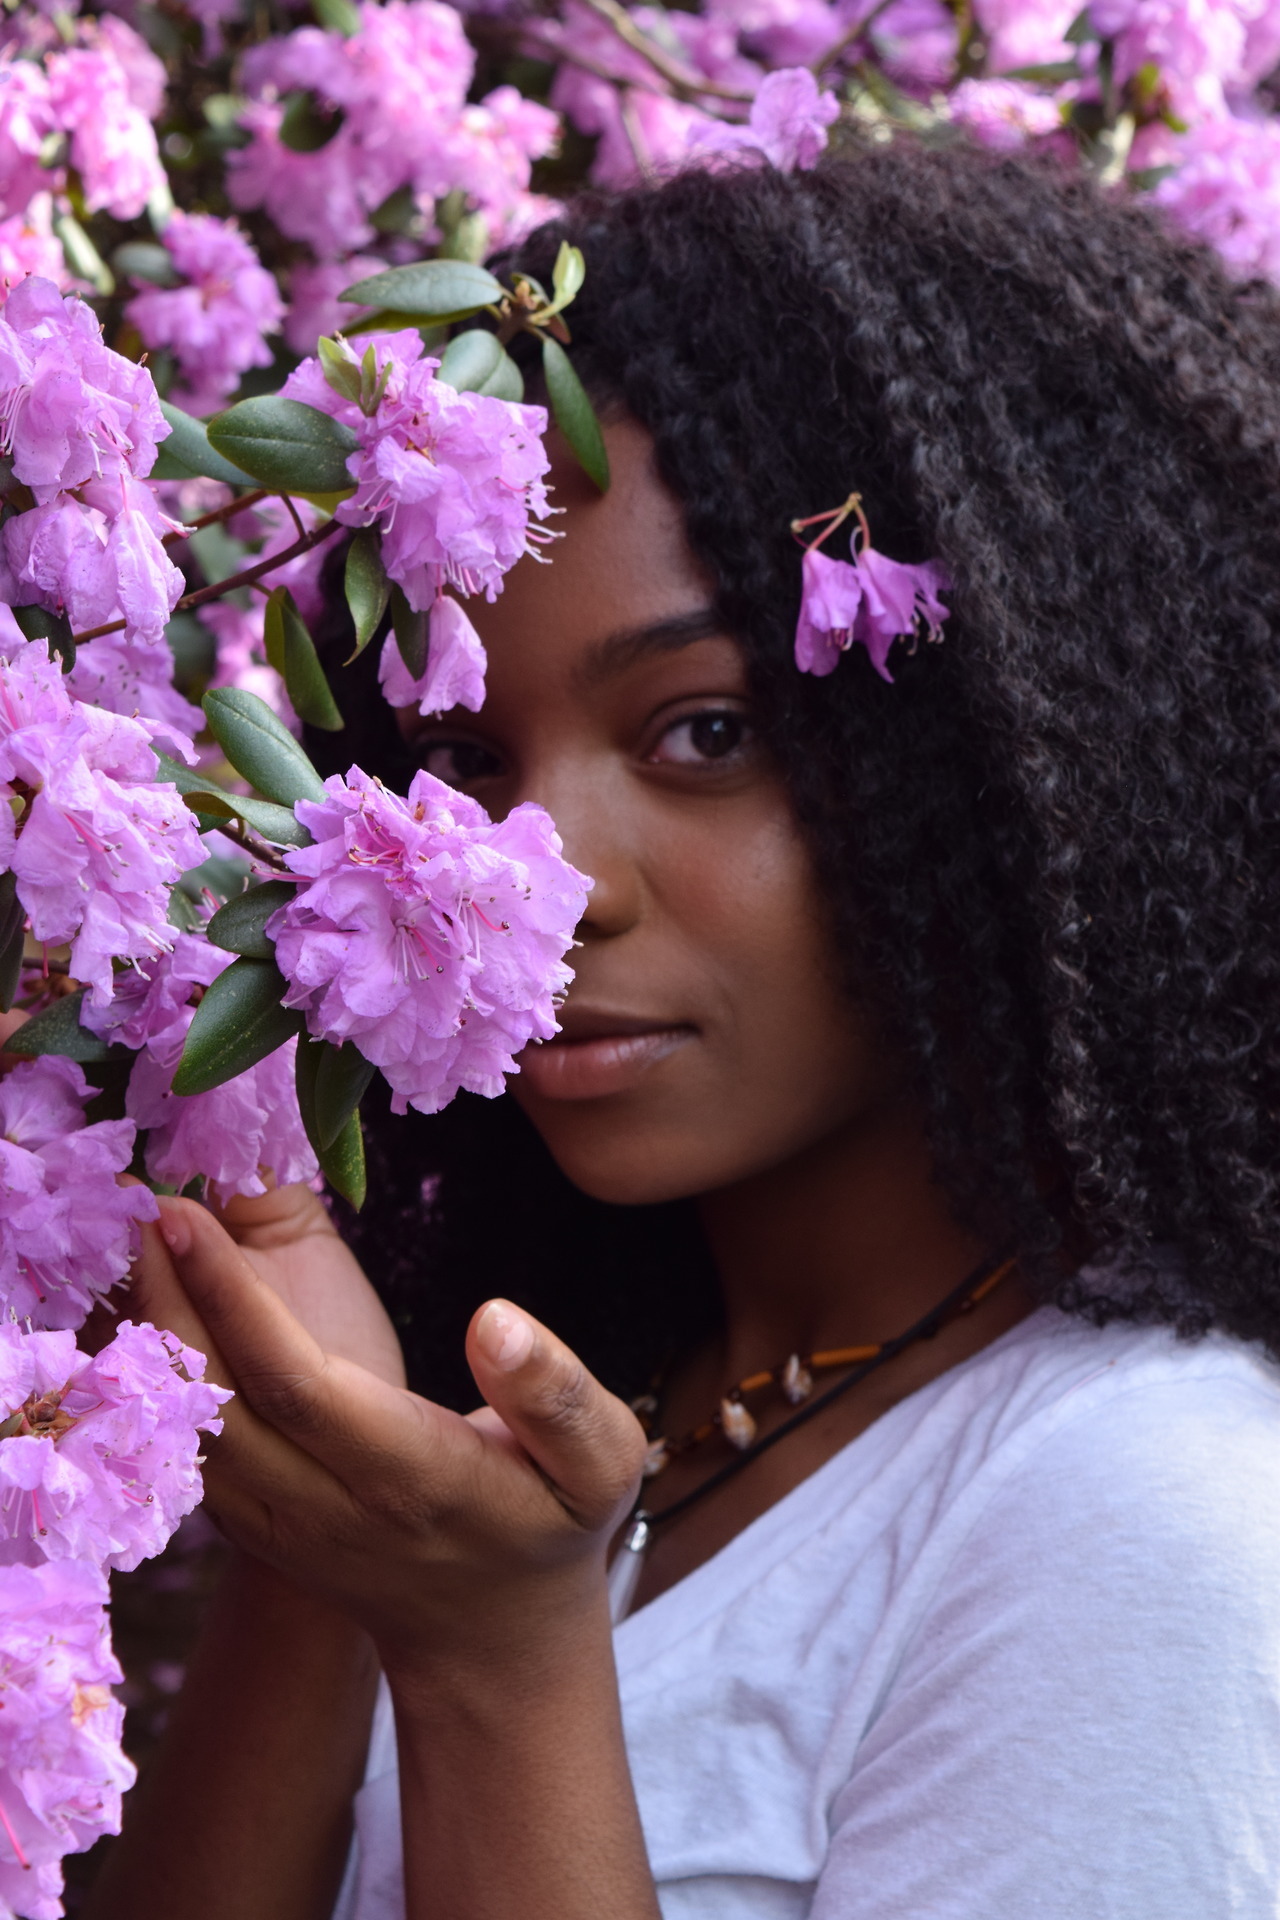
(620, 650)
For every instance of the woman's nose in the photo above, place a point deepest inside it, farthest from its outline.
(593, 827)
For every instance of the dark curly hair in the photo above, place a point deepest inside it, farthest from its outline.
(1050, 846)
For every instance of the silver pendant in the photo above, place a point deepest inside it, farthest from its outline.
(628, 1563)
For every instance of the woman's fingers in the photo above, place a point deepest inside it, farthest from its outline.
(587, 1443)
(278, 1218)
(156, 1294)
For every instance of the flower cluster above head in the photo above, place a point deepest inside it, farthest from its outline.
(870, 600)
(215, 319)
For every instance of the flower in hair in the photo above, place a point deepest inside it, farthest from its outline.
(872, 599)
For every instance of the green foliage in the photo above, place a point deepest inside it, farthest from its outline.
(291, 651)
(187, 452)
(285, 445)
(238, 927)
(410, 629)
(261, 747)
(58, 1030)
(11, 939)
(574, 414)
(477, 362)
(438, 290)
(239, 1021)
(367, 587)
(331, 1082)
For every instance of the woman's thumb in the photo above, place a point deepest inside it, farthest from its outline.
(587, 1443)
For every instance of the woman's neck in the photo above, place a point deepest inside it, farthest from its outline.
(849, 1242)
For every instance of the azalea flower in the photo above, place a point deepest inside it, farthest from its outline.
(428, 935)
(215, 322)
(455, 669)
(873, 600)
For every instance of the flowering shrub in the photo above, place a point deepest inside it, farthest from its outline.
(222, 206)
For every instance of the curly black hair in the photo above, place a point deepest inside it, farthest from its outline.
(1050, 846)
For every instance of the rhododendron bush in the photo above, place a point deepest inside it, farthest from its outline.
(246, 327)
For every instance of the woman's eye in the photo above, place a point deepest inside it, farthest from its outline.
(700, 737)
(459, 763)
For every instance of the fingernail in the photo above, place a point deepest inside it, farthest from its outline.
(505, 1335)
(175, 1229)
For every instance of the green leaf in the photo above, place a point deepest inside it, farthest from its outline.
(339, 16)
(440, 290)
(38, 624)
(341, 1156)
(397, 213)
(306, 126)
(340, 371)
(58, 1030)
(12, 925)
(1049, 73)
(1081, 30)
(476, 362)
(410, 629)
(285, 445)
(434, 333)
(81, 256)
(567, 276)
(238, 926)
(187, 452)
(342, 1080)
(145, 260)
(574, 414)
(1143, 179)
(291, 651)
(238, 1022)
(261, 747)
(367, 587)
(213, 808)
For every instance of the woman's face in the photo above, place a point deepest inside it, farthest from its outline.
(706, 1036)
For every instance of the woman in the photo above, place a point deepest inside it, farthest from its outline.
(932, 1019)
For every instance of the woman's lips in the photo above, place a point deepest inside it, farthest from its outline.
(597, 1054)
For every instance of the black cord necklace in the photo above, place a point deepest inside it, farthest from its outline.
(628, 1562)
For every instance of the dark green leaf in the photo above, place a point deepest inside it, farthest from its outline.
(291, 651)
(410, 629)
(476, 362)
(238, 926)
(342, 1079)
(261, 747)
(435, 334)
(38, 624)
(342, 1156)
(1050, 73)
(439, 290)
(397, 213)
(213, 807)
(574, 414)
(339, 16)
(285, 445)
(367, 586)
(1143, 179)
(187, 451)
(238, 1022)
(58, 1030)
(1081, 30)
(145, 260)
(305, 125)
(12, 924)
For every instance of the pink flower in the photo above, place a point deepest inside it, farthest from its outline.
(71, 410)
(28, 244)
(785, 33)
(232, 1136)
(1227, 192)
(98, 843)
(66, 1225)
(1197, 46)
(113, 145)
(214, 325)
(788, 122)
(1024, 33)
(428, 935)
(26, 118)
(1003, 113)
(100, 1459)
(62, 1770)
(918, 41)
(450, 479)
(455, 670)
(874, 601)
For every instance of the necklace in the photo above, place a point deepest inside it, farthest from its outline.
(732, 1419)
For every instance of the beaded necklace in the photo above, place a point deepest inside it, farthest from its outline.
(795, 1377)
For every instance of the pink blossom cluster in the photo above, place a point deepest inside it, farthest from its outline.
(215, 322)
(101, 93)
(400, 84)
(67, 1226)
(233, 1135)
(81, 425)
(94, 842)
(428, 935)
(62, 1770)
(451, 480)
(99, 1459)
(873, 602)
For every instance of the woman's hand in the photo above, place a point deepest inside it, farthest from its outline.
(446, 1537)
(292, 1244)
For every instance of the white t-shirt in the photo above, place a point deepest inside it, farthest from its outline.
(1013, 1652)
